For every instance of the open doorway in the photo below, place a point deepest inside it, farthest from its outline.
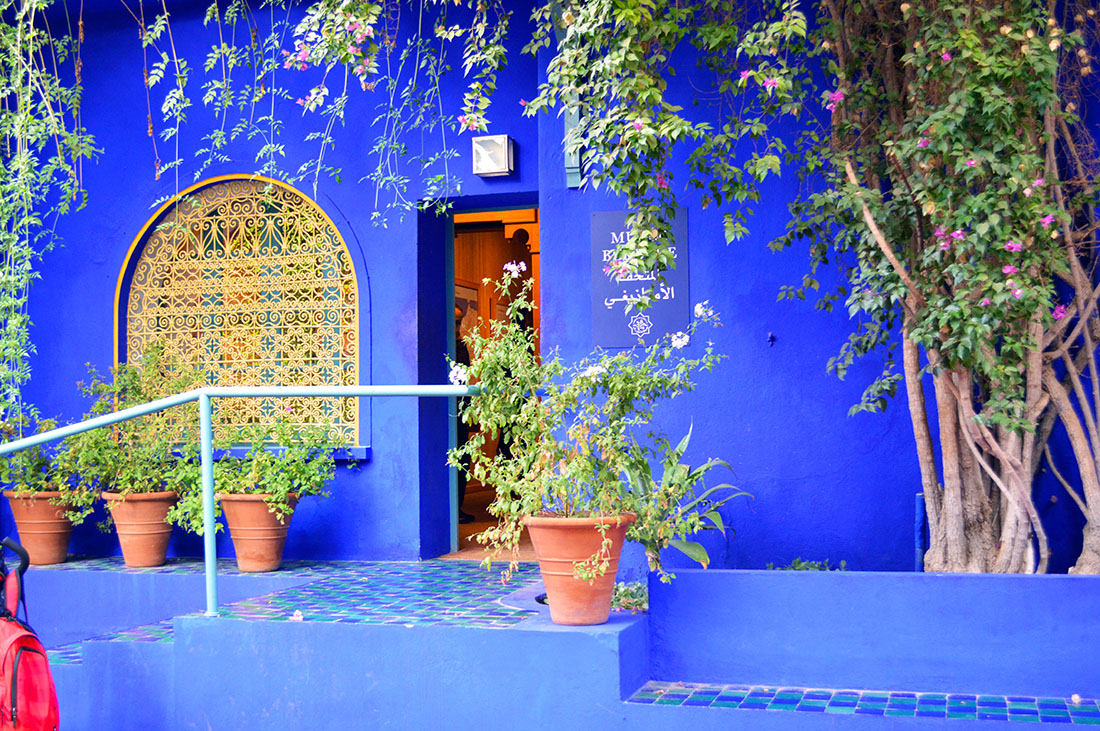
(484, 243)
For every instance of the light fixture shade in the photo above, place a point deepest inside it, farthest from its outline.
(493, 156)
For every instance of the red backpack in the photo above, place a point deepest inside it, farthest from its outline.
(28, 699)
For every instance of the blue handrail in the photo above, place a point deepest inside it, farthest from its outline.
(204, 397)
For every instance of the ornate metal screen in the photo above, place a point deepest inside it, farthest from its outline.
(251, 280)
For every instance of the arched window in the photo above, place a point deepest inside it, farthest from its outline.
(251, 279)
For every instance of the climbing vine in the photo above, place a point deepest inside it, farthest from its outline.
(44, 146)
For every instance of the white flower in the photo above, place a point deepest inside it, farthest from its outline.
(457, 376)
(593, 370)
(515, 267)
(680, 339)
(703, 310)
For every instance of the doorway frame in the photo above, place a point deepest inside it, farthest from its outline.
(513, 218)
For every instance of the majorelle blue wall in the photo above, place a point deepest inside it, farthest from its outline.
(823, 485)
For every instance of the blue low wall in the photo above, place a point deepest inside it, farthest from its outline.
(1022, 635)
(66, 606)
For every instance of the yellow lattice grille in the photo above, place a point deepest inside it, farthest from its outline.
(252, 280)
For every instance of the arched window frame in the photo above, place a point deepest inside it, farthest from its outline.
(354, 435)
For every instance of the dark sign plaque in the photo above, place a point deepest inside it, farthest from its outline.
(613, 324)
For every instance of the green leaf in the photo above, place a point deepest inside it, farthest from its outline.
(693, 550)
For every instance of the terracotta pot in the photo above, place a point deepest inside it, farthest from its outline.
(43, 528)
(258, 536)
(561, 542)
(141, 527)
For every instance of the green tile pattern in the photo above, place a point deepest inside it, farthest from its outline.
(454, 593)
(1080, 711)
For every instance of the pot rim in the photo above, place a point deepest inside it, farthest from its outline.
(32, 494)
(158, 495)
(249, 496)
(622, 519)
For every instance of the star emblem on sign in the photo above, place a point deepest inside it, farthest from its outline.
(640, 325)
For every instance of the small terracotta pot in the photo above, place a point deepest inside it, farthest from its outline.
(141, 527)
(43, 528)
(561, 542)
(258, 536)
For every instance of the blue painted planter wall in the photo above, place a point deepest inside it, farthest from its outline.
(1012, 635)
(824, 485)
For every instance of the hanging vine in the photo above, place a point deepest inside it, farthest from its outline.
(44, 146)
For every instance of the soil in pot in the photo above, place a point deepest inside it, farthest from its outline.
(258, 536)
(561, 542)
(142, 530)
(43, 528)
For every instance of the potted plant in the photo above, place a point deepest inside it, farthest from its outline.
(577, 454)
(260, 491)
(128, 464)
(43, 503)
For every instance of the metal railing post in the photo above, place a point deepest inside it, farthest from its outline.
(209, 528)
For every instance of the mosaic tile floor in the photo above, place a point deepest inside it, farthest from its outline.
(878, 703)
(428, 593)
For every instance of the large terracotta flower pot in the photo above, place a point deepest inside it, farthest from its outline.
(258, 536)
(43, 528)
(141, 527)
(561, 542)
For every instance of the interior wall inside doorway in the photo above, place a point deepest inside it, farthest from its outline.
(484, 243)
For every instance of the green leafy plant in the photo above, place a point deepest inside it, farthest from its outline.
(41, 176)
(630, 596)
(799, 565)
(30, 470)
(283, 463)
(40, 468)
(576, 436)
(138, 455)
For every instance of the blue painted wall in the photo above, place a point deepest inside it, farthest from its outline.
(988, 633)
(824, 485)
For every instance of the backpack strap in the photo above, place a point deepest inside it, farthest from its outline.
(13, 580)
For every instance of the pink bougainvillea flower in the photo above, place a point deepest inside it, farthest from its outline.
(1013, 246)
(945, 245)
(946, 55)
(986, 302)
(662, 181)
(745, 74)
(924, 142)
(523, 102)
(771, 83)
(462, 119)
(1047, 220)
(940, 233)
(1017, 293)
(971, 163)
(958, 234)
(836, 96)
(300, 101)
(1028, 192)
(831, 107)
(1059, 312)
(1009, 269)
(1039, 182)
(638, 124)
